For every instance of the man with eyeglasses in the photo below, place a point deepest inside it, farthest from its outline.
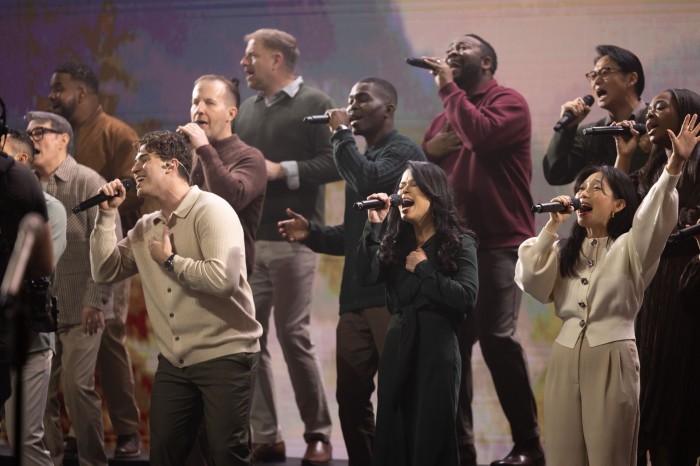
(617, 83)
(84, 304)
(482, 141)
(105, 144)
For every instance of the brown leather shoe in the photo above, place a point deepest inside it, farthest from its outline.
(269, 452)
(128, 446)
(530, 454)
(318, 452)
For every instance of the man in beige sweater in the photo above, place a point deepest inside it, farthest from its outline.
(191, 258)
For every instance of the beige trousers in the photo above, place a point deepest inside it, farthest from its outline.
(591, 404)
(35, 384)
(73, 368)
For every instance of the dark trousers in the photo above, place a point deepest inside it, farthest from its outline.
(217, 391)
(359, 342)
(493, 324)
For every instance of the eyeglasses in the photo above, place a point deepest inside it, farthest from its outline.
(37, 134)
(603, 73)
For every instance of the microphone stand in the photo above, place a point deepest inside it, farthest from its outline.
(17, 319)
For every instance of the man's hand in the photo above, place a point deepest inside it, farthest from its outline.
(196, 134)
(295, 229)
(118, 192)
(274, 171)
(338, 116)
(415, 258)
(92, 319)
(579, 109)
(441, 71)
(443, 143)
(161, 250)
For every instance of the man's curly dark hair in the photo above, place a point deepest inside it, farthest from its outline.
(169, 145)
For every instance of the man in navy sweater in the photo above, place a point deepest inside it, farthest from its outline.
(364, 316)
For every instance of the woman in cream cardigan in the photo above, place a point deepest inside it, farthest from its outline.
(596, 280)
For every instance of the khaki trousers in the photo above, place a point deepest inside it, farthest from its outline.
(73, 367)
(35, 383)
(114, 366)
(591, 404)
(282, 289)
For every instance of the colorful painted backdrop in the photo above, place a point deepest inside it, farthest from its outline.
(148, 52)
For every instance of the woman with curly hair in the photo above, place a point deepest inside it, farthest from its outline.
(667, 334)
(427, 258)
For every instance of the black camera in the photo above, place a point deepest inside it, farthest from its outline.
(42, 306)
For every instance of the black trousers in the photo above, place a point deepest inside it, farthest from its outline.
(216, 391)
(493, 324)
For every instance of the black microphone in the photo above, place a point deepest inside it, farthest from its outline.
(317, 119)
(395, 200)
(613, 130)
(568, 116)
(684, 233)
(556, 207)
(128, 183)
(420, 63)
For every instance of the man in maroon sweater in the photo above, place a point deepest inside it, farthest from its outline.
(482, 141)
(222, 163)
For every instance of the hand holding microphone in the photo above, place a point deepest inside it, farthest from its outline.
(686, 232)
(557, 205)
(110, 196)
(333, 118)
(574, 111)
(394, 201)
(419, 63)
(559, 209)
(194, 132)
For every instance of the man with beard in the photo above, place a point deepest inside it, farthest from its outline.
(364, 317)
(482, 141)
(105, 144)
(617, 82)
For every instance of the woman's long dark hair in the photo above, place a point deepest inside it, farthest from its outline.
(622, 188)
(687, 103)
(399, 239)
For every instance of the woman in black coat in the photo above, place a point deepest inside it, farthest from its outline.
(427, 258)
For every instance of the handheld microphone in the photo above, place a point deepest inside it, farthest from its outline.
(614, 130)
(568, 116)
(317, 119)
(557, 207)
(128, 183)
(420, 63)
(395, 200)
(684, 233)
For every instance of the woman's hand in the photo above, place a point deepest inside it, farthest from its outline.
(683, 144)
(626, 145)
(557, 219)
(415, 258)
(379, 214)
